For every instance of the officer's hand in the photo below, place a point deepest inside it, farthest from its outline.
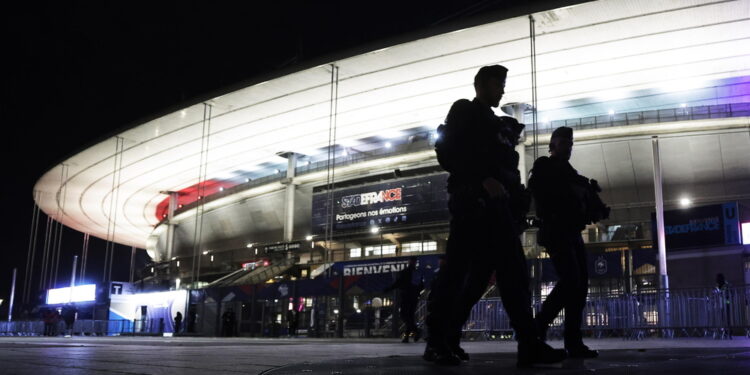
(494, 188)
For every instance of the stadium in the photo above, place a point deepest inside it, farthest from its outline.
(305, 190)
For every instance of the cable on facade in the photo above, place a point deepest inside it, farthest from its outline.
(331, 164)
(45, 250)
(113, 202)
(61, 195)
(84, 255)
(534, 97)
(31, 255)
(202, 175)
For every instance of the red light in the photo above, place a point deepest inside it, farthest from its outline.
(265, 263)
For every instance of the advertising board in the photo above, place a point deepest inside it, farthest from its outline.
(384, 205)
(712, 225)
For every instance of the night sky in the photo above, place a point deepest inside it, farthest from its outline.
(77, 73)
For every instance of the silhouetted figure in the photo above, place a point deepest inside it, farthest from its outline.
(69, 312)
(177, 322)
(565, 203)
(722, 288)
(486, 202)
(192, 319)
(408, 299)
(228, 322)
(292, 321)
(50, 317)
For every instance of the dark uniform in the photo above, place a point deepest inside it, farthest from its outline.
(408, 299)
(473, 145)
(565, 203)
(177, 322)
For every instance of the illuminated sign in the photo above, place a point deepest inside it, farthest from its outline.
(281, 247)
(712, 225)
(746, 233)
(375, 268)
(80, 293)
(149, 307)
(394, 203)
(364, 199)
(253, 265)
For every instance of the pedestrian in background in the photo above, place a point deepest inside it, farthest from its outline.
(69, 313)
(725, 301)
(177, 322)
(408, 299)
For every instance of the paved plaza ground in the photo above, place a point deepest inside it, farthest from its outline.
(190, 355)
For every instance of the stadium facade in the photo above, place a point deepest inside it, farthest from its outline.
(305, 191)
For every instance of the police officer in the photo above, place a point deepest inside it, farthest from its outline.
(477, 149)
(565, 203)
(408, 299)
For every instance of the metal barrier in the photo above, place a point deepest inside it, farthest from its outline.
(684, 312)
(706, 312)
(84, 327)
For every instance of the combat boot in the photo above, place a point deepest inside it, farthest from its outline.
(455, 347)
(541, 329)
(538, 352)
(440, 356)
(581, 351)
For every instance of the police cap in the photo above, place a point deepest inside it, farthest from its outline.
(491, 71)
(563, 132)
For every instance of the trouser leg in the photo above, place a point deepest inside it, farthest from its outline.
(477, 280)
(569, 259)
(407, 316)
(513, 282)
(573, 323)
(447, 286)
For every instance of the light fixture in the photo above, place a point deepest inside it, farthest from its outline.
(249, 245)
(276, 171)
(685, 202)
(173, 258)
(247, 180)
(374, 229)
(221, 188)
(309, 237)
(178, 263)
(212, 258)
(387, 144)
(205, 252)
(177, 283)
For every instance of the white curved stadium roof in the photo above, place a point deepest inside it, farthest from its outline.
(590, 53)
